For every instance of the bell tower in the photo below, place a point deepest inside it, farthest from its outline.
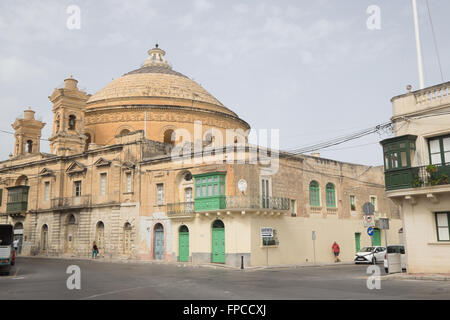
(27, 134)
(69, 106)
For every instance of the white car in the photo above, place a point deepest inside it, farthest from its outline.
(372, 255)
(391, 250)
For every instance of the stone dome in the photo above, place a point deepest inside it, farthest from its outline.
(155, 82)
(157, 100)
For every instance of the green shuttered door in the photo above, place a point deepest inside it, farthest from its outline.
(184, 246)
(218, 245)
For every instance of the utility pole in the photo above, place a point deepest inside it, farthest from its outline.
(418, 48)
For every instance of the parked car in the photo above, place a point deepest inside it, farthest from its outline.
(7, 252)
(372, 255)
(391, 250)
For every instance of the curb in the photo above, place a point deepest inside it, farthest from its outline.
(181, 264)
(431, 277)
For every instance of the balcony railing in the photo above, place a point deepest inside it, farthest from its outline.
(416, 177)
(71, 202)
(269, 203)
(231, 202)
(180, 208)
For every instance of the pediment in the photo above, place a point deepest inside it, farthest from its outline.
(100, 162)
(75, 167)
(46, 172)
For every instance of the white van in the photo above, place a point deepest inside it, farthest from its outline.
(392, 250)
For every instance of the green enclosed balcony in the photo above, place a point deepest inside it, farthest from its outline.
(17, 199)
(399, 155)
(210, 191)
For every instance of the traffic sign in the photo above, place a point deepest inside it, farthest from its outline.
(383, 224)
(266, 232)
(369, 220)
(368, 208)
(370, 231)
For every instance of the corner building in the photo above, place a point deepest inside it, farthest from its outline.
(111, 177)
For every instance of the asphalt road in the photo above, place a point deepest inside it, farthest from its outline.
(42, 278)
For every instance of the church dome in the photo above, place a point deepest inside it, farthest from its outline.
(158, 100)
(155, 82)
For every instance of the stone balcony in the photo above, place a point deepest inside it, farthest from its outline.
(423, 100)
(241, 204)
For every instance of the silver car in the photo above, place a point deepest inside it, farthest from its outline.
(374, 254)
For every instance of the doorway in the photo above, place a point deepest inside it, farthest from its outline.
(158, 249)
(218, 242)
(183, 244)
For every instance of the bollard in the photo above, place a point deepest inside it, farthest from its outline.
(242, 262)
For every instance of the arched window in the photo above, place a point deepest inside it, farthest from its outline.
(72, 121)
(169, 137)
(331, 195)
(124, 131)
(314, 194)
(57, 123)
(29, 146)
(71, 219)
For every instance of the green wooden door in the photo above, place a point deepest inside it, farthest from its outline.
(218, 245)
(183, 246)
(357, 241)
(376, 238)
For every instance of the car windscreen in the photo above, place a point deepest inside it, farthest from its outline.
(6, 235)
(366, 249)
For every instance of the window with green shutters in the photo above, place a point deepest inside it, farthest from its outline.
(331, 195)
(314, 194)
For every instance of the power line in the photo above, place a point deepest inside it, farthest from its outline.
(434, 41)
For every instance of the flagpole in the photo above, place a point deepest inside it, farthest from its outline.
(419, 52)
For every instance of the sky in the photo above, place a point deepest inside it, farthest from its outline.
(312, 69)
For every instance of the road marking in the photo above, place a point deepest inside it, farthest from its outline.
(18, 278)
(113, 292)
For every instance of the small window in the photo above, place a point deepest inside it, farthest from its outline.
(293, 208)
(314, 194)
(128, 182)
(373, 200)
(29, 146)
(352, 203)
(103, 184)
(1, 196)
(442, 226)
(331, 195)
(77, 188)
(46, 190)
(72, 121)
(160, 193)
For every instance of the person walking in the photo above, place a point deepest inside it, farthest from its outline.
(336, 251)
(94, 251)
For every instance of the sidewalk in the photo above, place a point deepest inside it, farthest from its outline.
(417, 276)
(189, 264)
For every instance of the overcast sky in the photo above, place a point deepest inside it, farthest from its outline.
(309, 68)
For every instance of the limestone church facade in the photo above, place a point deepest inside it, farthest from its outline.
(111, 177)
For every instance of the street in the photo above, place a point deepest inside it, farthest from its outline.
(43, 278)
